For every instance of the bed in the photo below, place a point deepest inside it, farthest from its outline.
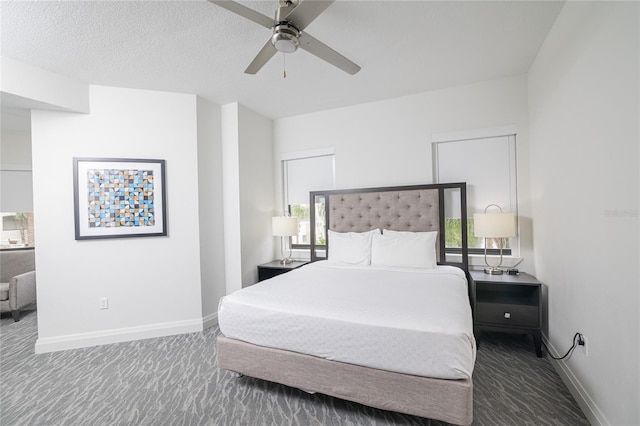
(395, 337)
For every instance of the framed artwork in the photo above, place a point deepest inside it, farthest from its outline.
(119, 197)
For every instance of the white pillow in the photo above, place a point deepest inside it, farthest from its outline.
(353, 248)
(404, 249)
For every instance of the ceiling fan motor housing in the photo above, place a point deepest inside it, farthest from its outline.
(288, 26)
(286, 37)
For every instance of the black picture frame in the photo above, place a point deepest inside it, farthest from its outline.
(119, 198)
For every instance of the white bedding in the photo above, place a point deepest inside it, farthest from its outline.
(412, 321)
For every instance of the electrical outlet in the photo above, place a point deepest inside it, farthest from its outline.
(103, 303)
(582, 341)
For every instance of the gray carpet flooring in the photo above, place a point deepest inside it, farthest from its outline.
(175, 381)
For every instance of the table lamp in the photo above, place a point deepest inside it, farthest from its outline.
(284, 226)
(494, 225)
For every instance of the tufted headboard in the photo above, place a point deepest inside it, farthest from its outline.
(405, 208)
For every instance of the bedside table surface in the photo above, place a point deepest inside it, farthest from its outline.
(276, 264)
(523, 278)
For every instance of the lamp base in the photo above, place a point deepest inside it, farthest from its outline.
(286, 261)
(493, 271)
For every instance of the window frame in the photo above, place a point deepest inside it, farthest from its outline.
(301, 155)
(488, 133)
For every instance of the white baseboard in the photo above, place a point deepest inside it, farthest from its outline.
(582, 397)
(210, 320)
(83, 340)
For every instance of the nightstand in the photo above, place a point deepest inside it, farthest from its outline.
(507, 303)
(271, 269)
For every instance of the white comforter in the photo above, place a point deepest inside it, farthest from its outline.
(409, 321)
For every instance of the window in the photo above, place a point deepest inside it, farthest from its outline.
(303, 174)
(16, 229)
(487, 163)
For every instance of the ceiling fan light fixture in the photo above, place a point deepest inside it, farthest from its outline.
(285, 38)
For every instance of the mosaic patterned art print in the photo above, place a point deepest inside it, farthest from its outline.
(119, 198)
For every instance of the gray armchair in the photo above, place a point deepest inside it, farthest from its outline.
(17, 281)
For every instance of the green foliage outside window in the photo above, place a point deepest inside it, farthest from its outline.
(453, 232)
(300, 211)
(453, 238)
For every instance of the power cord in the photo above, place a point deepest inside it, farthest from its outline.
(578, 340)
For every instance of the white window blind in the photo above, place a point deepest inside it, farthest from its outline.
(16, 187)
(303, 175)
(487, 165)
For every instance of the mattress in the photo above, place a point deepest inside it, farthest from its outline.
(411, 321)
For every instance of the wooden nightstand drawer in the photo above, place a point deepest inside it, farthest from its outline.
(507, 314)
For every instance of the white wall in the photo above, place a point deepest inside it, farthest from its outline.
(256, 192)
(25, 86)
(153, 283)
(389, 142)
(29, 85)
(231, 196)
(584, 112)
(247, 149)
(210, 199)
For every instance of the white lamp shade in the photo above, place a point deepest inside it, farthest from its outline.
(284, 226)
(494, 225)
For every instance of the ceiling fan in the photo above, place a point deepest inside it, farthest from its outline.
(291, 18)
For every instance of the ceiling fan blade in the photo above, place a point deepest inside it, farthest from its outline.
(308, 10)
(261, 58)
(324, 52)
(245, 12)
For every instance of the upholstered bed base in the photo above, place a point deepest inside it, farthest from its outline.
(446, 400)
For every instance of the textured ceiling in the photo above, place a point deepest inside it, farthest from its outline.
(403, 47)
